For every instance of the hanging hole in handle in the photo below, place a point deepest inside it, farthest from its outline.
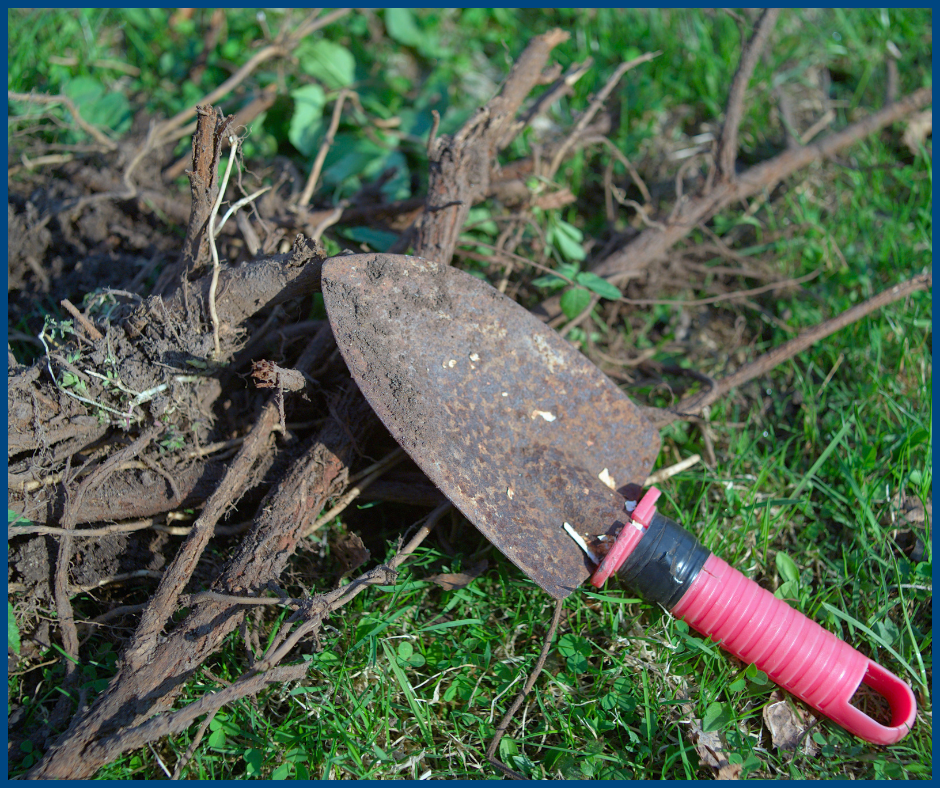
(894, 695)
(897, 696)
(872, 703)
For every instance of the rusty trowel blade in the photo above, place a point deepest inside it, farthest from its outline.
(511, 422)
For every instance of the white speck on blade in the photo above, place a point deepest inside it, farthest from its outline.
(509, 493)
(474, 357)
(605, 477)
(505, 393)
(451, 363)
(581, 543)
(544, 414)
(554, 361)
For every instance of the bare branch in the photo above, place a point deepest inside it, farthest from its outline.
(39, 98)
(652, 244)
(595, 107)
(728, 145)
(311, 184)
(762, 365)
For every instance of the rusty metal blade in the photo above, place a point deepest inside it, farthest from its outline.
(511, 422)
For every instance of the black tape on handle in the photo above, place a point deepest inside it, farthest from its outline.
(665, 562)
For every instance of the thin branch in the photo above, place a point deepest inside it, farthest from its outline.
(193, 745)
(240, 204)
(213, 314)
(728, 144)
(327, 143)
(167, 724)
(760, 366)
(594, 108)
(83, 321)
(667, 473)
(39, 98)
(652, 244)
(280, 48)
(63, 604)
(435, 124)
(511, 711)
(378, 470)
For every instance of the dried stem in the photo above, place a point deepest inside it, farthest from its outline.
(728, 145)
(693, 405)
(594, 108)
(311, 184)
(39, 98)
(511, 711)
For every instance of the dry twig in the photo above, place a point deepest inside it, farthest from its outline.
(760, 366)
(327, 143)
(728, 144)
(511, 711)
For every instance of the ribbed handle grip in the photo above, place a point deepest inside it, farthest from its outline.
(794, 651)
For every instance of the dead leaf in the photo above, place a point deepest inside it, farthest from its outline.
(909, 516)
(711, 751)
(350, 552)
(788, 725)
(919, 127)
(455, 580)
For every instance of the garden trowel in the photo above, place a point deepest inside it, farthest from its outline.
(536, 446)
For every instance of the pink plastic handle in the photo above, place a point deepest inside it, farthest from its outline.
(794, 651)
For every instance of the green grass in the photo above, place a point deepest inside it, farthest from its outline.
(413, 679)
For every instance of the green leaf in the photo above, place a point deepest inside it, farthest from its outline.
(306, 124)
(507, 748)
(787, 568)
(379, 240)
(717, 716)
(756, 675)
(567, 238)
(13, 631)
(575, 650)
(600, 286)
(110, 110)
(574, 302)
(329, 62)
(621, 697)
(887, 630)
(417, 710)
(282, 772)
(569, 230)
(549, 281)
(400, 24)
(552, 282)
(16, 517)
(253, 761)
(407, 655)
(788, 590)
(84, 91)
